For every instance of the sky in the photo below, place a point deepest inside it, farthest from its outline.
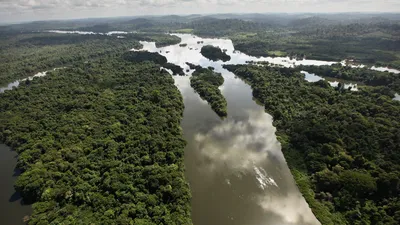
(29, 10)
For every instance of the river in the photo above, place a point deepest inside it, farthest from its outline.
(12, 211)
(311, 77)
(15, 84)
(235, 167)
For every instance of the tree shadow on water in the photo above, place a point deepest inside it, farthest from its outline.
(17, 172)
(15, 197)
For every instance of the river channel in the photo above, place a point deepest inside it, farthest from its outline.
(235, 167)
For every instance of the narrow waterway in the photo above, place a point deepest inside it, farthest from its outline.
(16, 83)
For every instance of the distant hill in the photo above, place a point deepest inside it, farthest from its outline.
(140, 23)
(311, 21)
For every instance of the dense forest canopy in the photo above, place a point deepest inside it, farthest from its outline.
(25, 54)
(206, 82)
(371, 44)
(214, 53)
(100, 140)
(342, 146)
(371, 39)
(145, 56)
(99, 143)
(365, 75)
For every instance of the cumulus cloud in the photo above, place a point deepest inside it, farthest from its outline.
(51, 9)
(84, 4)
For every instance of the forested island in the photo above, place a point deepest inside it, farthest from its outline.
(176, 70)
(214, 53)
(99, 143)
(341, 146)
(206, 82)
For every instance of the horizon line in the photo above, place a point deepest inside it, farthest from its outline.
(183, 15)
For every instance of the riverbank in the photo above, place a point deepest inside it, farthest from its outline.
(331, 143)
(115, 150)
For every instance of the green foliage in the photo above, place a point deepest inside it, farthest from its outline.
(145, 56)
(358, 183)
(365, 75)
(99, 143)
(161, 39)
(184, 31)
(341, 146)
(206, 82)
(223, 27)
(371, 44)
(176, 70)
(24, 54)
(214, 53)
(142, 56)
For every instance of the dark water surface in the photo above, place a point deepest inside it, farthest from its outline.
(12, 211)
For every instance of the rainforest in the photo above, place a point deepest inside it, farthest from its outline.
(201, 119)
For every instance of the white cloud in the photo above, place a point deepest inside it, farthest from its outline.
(58, 9)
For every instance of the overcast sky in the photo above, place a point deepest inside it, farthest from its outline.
(27, 10)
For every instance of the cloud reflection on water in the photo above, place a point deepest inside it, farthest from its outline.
(249, 148)
(291, 208)
(238, 145)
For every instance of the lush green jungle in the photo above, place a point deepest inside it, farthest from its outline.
(214, 53)
(341, 146)
(364, 75)
(371, 43)
(371, 39)
(206, 82)
(24, 54)
(99, 143)
(144, 56)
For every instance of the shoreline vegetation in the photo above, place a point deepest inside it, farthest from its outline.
(85, 134)
(364, 75)
(143, 56)
(214, 53)
(206, 82)
(370, 39)
(99, 143)
(331, 139)
(25, 54)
